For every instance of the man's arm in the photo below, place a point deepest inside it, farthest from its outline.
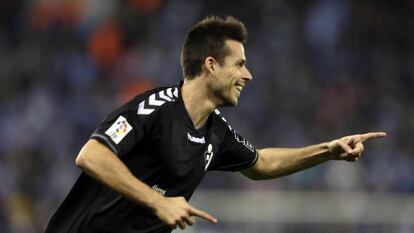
(102, 164)
(277, 162)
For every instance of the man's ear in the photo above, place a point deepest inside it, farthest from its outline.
(210, 64)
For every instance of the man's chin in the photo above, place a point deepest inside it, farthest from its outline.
(232, 102)
(235, 103)
(229, 101)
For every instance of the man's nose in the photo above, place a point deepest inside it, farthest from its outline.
(247, 75)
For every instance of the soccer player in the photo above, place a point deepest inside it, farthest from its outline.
(144, 161)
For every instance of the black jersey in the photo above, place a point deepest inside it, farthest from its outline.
(156, 139)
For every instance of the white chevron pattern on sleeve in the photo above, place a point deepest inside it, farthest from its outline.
(155, 100)
(164, 97)
(144, 111)
(175, 92)
(169, 93)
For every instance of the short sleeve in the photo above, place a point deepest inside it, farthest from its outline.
(235, 153)
(123, 129)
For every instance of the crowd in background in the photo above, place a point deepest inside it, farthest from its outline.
(321, 69)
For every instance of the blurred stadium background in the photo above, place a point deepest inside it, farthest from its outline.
(322, 69)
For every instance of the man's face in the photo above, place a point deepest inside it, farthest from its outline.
(230, 78)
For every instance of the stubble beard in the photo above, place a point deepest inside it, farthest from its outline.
(225, 98)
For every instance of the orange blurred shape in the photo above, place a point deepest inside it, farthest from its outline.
(146, 6)
(105, 45)
(130, 90)
(47, 13)
(71, 11)
(43, 15)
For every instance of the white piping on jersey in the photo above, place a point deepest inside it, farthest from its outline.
(244, 141)
(148, 106)
(222, 118)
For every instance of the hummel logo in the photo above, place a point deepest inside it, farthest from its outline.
(147, 106)
(196, 139)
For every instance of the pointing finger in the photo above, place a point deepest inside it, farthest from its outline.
(199, 213)
(372, 135)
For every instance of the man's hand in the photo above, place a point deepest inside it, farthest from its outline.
(350, 148)
(176, 211)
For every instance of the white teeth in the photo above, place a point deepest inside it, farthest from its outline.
(239, 87)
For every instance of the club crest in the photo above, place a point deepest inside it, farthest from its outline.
(208, 155)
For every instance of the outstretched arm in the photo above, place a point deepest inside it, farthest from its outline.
(277, 162)
(105, 166)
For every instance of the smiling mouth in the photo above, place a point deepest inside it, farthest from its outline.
(239, 88)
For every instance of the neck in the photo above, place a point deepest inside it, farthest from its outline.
(196, 100)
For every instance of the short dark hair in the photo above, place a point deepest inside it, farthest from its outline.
(207, 38)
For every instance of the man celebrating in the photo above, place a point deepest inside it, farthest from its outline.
(144, 161)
